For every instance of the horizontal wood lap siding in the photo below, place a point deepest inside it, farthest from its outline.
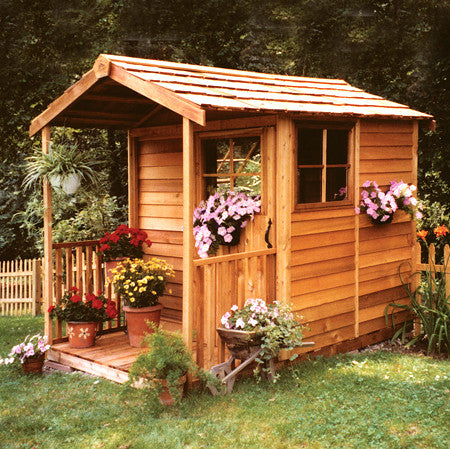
(324, 248)
(323, 272)
(385, 151)
(386, 154)
(160, 211)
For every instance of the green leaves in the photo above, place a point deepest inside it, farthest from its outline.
(429, 305)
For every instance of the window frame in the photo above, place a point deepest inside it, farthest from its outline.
(325, 126)
(228, 134)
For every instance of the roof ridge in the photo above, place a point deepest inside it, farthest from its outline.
(219, 70)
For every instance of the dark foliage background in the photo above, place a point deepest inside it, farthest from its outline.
(399, 49)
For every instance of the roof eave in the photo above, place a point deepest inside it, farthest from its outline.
(104, 68)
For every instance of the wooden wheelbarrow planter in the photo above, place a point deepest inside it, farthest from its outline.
(244, 347)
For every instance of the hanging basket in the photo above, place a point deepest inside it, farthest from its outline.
(69, 184)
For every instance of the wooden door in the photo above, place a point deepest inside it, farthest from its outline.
(246, 270)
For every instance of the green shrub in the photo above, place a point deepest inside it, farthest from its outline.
(167, 359)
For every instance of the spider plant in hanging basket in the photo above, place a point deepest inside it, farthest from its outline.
(65, 166)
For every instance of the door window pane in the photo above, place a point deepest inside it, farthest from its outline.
(232, 164)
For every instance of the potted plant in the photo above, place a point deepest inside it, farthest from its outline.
(162, 369)
(30, 353)
(140, 284)
(64, 166)
(380, 206)
(123, 243)
(82, 315)
(270, 326)
(220, 219)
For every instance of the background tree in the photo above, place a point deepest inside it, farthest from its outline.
(398, 49)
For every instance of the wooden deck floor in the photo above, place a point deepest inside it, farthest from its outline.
(111, 357)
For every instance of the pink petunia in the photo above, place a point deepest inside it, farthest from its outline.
(240, 323)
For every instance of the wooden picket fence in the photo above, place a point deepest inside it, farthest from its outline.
(20, 287)
(431, 265)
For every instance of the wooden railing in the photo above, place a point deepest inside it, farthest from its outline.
(79, 264)
(219, 283)
(20, 287)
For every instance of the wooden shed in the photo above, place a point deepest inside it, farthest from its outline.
(306, 144)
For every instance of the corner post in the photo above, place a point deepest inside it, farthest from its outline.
(48, 256)
(284, 204)
(355, 161)
(188, 236)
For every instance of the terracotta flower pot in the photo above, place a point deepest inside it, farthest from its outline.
(81, 334)
(137, 318)
(165, 398)
(33, 365)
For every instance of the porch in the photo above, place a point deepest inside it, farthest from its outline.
(219, 282)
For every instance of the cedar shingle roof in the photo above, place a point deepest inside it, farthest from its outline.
(190, 90)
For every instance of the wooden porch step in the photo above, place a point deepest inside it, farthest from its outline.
(110, 358)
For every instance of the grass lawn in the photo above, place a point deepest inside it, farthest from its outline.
(377, 400)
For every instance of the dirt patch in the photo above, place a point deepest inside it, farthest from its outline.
(418, 349)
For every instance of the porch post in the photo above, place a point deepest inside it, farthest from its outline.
(133, 213)
(284, 204)
(188, 237)
(48, 257)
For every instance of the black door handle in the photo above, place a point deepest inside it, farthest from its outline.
(266, 237)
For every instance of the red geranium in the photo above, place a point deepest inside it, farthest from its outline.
(111, 309)
(123, 242)
(90, 297)
(97, 303)
(75, 298)
(93, 308)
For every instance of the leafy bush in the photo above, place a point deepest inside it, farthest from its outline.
(167, 359)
